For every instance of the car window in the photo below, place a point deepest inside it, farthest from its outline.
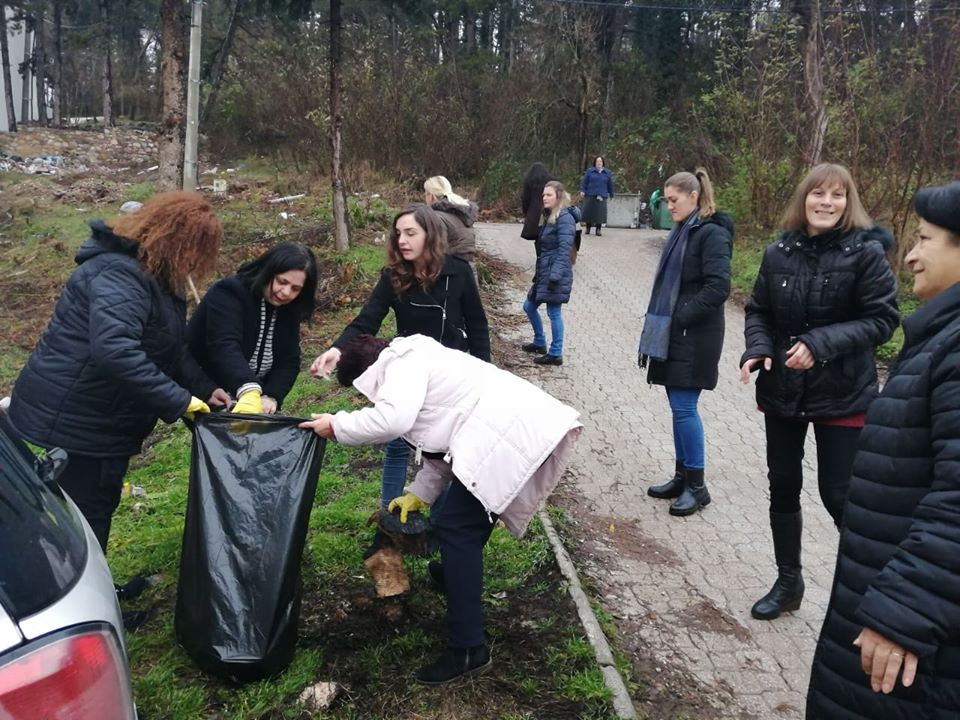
(43, 542)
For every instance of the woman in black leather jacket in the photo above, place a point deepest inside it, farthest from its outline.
(824, 299)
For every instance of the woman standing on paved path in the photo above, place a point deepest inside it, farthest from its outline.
(597, 190)
(553, 279)
(683, 329)
(246, 331)
(431, 293)
(531, 202)
(824, 299)
(895, 604)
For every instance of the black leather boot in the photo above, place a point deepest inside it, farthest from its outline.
(787, 591)
(694, 495)
(455, 663)
(672, 488)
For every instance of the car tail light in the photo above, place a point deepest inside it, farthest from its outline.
(79, 675)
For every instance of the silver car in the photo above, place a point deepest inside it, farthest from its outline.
(62, 652)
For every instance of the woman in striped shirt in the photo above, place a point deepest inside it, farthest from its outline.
(246, 331)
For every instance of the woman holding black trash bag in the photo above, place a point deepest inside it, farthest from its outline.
(114, 357)
(824, 299)
(499, 442)
(246, 331)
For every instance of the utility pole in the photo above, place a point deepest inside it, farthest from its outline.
(193, 99)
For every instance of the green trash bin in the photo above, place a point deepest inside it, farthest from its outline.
(659, 212)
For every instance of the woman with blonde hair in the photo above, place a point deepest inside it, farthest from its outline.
(824, 299)
(431, 293)
(683, 329)
(553, 279)
(458, 215)
(114, 357)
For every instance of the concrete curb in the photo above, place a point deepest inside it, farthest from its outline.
(611, 675)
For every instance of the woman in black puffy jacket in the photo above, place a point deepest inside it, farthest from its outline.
(895, 605)
(246, 331)
(824, 299)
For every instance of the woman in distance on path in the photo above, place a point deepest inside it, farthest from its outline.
(824, 299)
(684, 326)
(531, 202)
(597, 190)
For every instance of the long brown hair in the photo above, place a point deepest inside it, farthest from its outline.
(404, 272)
(854, 215)
(696, 182)
(177, 234)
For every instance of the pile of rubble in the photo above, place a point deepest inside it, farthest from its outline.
(42, 165)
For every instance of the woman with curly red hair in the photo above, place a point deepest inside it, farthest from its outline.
(114, 357)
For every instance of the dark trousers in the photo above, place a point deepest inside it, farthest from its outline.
(95, 484)
(836, 448)
(463, 528)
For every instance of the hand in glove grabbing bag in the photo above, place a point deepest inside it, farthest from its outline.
(249, 403)
(406, 503)
(196, 406)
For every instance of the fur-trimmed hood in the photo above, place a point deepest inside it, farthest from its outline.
(467, 213)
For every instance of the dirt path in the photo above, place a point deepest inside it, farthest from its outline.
(679, 589)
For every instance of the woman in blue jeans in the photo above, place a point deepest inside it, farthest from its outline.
(683, 328)
(553, 279)
(431, 293)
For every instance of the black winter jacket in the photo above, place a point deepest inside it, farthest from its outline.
(697, 328)
(112, 360)
(223, 335)
(553, 280)
(837, 294)
(450, 311)
(898, 567)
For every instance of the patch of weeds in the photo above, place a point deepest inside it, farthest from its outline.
(139, 191)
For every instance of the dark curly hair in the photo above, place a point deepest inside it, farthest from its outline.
(358, 355)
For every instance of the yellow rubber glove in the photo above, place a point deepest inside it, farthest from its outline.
(407, 503)
(249, 403)
(196, 406)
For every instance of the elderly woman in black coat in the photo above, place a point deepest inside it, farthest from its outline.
(824, 299)
(683, 329)
(895, 607)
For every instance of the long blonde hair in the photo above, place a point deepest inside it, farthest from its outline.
(441, 189)
(696, 182)
(563, 202)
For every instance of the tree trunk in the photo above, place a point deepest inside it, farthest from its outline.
(106, 38)
(220, 64)
(40, 68)
(57, 63)
(611, 36)
(813, 93)
(341, 231)
(174, 119)
(7, 84)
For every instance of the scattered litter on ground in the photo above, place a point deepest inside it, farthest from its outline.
(286, 198)
(319, 697)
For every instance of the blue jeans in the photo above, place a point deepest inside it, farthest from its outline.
(687, 426)
(396, 456)
(556, 325)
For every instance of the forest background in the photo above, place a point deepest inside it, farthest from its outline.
(755, 90)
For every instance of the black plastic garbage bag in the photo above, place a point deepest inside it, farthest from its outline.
(252, 483)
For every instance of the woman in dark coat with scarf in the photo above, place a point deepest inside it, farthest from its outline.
(894, 611)
(553, 280)
(246, 331)
(597, 190)
(683, 329)
(531, 202)
(824, 299)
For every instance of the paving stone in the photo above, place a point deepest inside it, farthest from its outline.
(725, 553)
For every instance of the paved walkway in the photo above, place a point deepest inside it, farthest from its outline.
(680, 587)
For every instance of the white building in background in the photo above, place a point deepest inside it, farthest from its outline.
(24, 86)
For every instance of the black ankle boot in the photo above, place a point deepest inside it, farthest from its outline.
(787, 591)
(694, 495)
(672, 488)
(455, 663)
